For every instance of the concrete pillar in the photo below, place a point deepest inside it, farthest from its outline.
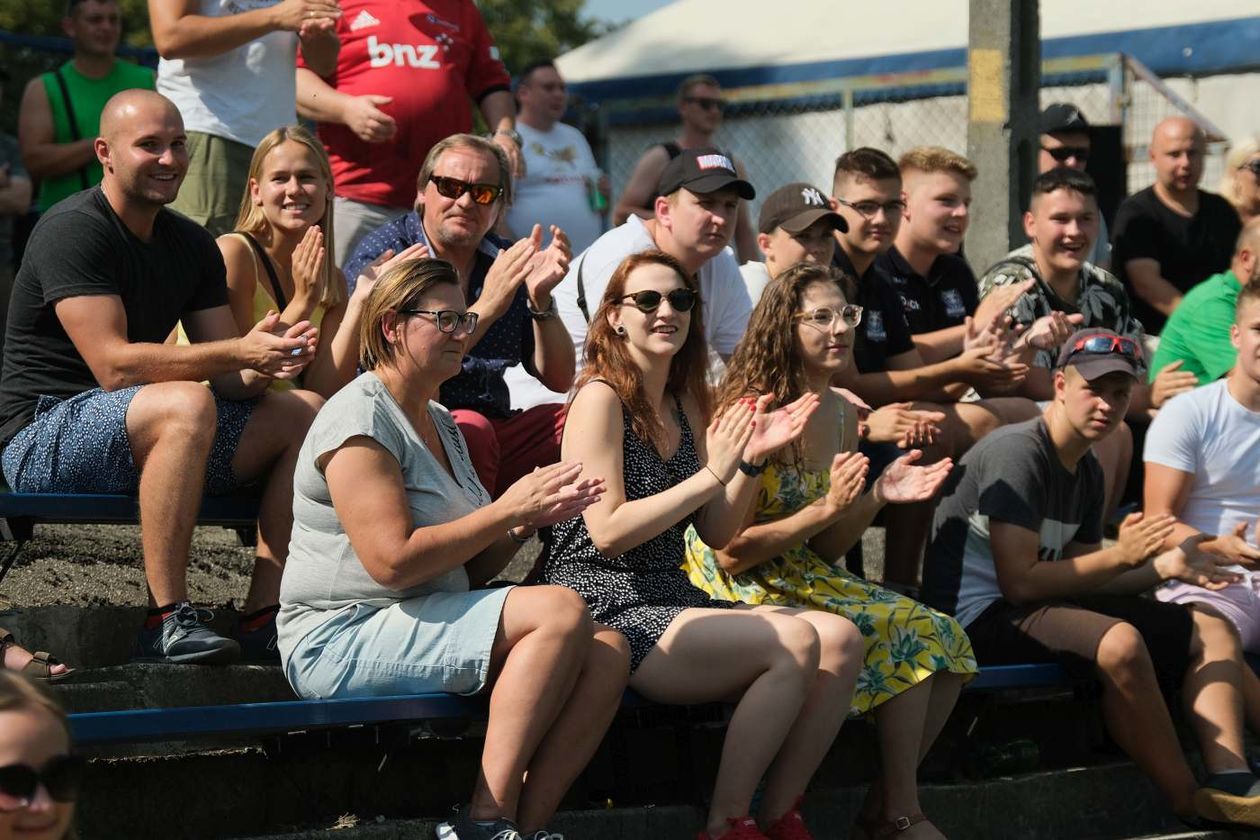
(1004, 75)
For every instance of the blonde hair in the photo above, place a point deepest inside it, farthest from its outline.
(252, 220)
(930, 159)
(398, 288)
(1238, 154)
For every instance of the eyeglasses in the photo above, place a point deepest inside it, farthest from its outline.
(1062, 154)
(708, 103)
(824, 316)
(448, 320)
(453, 188)
(60, 777)
(1253, 166)
(868, 209)
(1103, 344)
(649, 300)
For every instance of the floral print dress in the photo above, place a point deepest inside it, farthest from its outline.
(906, 642)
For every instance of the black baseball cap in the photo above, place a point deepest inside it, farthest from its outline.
(1113, 354)
(1063, 116)
(795, 207)
(704, 170)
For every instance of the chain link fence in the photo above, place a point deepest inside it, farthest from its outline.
(798, 137)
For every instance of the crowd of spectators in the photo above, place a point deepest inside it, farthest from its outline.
(421, 350)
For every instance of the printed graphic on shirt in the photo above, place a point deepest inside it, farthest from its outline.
(953, 302)
(875, 326)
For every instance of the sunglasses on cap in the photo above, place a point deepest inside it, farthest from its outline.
(824, 316)
(1063, 153)
(1102, 344)
(649, 300)
(448, 320)
(453, 188)
(61, 777)
(708, 103)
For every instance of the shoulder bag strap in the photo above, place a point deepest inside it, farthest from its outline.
(72, 120)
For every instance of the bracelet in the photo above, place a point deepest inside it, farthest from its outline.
(715, 475)
(519, 540)
(541, 314)
(753, 470)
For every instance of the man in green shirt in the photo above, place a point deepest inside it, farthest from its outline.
(60, 114)
(1197, 333)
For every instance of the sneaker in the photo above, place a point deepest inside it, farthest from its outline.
(544, 834)
(1232, 798)
(183, 637)
(463, 827)
(741, 829)
(256, 634)
(790, 826)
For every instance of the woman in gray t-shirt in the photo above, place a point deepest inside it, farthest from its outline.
(391, 529)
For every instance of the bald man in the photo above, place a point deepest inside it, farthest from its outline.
(1171, 235)
(92, 399)
(1198, 333)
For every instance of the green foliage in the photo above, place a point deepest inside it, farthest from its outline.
(530, 30)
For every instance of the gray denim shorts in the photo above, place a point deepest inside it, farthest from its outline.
(80, 445)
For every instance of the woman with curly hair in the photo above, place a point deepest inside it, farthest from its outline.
(809, 509)
(790, 672)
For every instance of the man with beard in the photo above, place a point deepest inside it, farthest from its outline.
(463, 187)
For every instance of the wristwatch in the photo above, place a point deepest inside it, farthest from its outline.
(541, 315)
(752, 470)
(512, 134)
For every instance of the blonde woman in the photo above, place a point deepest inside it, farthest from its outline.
(39, 777)
(1240, 183)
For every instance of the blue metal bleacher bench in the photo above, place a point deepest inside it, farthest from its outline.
(190, 722)
(21, 512)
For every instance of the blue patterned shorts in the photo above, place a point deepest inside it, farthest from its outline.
(80, 445)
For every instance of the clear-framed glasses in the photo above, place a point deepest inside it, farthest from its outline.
(869, 209)
(448, 320)
(824, 317)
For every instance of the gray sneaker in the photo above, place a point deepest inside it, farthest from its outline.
(462, 827)
(184, 638)
(544, 834)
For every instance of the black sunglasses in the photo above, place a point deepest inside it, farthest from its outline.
(61, 777)
(649, 300)
(1063, 153)
(708, 103)
(453, 188)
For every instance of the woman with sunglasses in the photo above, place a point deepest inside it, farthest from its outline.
(39, 778)
(279, 256)
(1240, 183)
(808, 509)
(393, 538)
(639, 420)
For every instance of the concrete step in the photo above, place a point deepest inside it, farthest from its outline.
(158, 686)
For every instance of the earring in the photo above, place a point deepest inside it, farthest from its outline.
(620, 329)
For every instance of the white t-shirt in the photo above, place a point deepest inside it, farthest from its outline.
(241, 94)
(1207, 433)
(725, 302)
(558, 167)
(756, 278)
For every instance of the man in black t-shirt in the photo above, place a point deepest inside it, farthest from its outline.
(1017, 557)
(1172, 235)
(93, 401)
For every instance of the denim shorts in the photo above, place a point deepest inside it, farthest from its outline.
(80, 445)
(436, 642)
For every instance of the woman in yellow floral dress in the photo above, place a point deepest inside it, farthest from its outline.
(809, 510)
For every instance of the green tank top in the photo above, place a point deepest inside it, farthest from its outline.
(88, 96)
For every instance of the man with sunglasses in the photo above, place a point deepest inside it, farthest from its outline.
(464, 185)
(1017, 558)
(700, 105)
(701, 193)
(1065, 141)
(1172, 235)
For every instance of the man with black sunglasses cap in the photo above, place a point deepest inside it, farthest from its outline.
(464, 187)
(1065, 142)
(1017, 558)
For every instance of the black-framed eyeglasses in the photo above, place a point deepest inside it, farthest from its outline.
(824, 317)
(869, 209)
(708, 103)
(448, 320)
(61, 777)
(453, 188)
(1062, 154)
(649, 300)
(1253, 166)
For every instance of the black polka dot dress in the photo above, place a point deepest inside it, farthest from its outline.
(642, 591)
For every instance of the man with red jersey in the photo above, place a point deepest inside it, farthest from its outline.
(406, 77)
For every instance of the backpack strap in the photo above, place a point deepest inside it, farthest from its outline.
(75, 135)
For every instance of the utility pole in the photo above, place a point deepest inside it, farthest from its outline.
(1003, 80)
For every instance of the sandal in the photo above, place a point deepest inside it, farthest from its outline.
(891, 828)
(40, 667)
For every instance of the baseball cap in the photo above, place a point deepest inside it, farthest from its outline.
(1062, 116)
(797, 206)
(702, 171)
(1096, 352)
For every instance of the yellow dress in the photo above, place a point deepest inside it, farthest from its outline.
(906, 642)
